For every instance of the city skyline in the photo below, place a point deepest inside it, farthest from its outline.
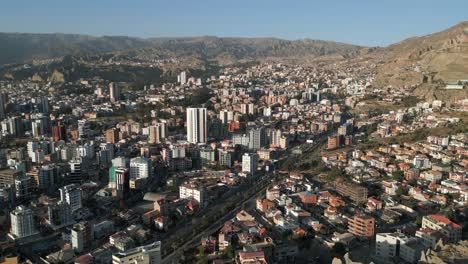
(362, 23)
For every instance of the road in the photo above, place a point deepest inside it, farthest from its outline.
(173, 257)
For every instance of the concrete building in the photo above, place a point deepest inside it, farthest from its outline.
(71, 194)
(451, 230)
(362, 226)
(353, 191)
(397, 248)
(81, 236)
(257, 138)
(147, 254)
(197, 125)
(114, 92)
(250, 163)
(140, 167)
(193, 191)
(59, 215)
(23, 223)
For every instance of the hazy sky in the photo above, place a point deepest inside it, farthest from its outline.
(364, 22)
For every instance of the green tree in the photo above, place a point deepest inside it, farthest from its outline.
(398, 175)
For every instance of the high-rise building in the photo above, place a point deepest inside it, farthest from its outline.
(71, 194)
(59, 132)
(84, 130)
(15, 126)
(207, 155)
(23, 222)
(75, 175)
(81, 236)
(7, 195)
(362, 226)
(59, 215)
(226, 116)
(157, 132)
(140, 167)
(147, 254)
(42, 104)
(250, 163)
(226, 157)
(8, 176)
(182, 78)
(48, 176)
(257, 138)
(112, 135)
(23, 186)
(196, 125)
(122, 179)
(105, 154)
(3, 102)
(114, 92)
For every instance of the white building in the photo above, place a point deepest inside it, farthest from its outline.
(23, 223)
(196, 125)
(391, 247)
(140, 167)
(71, 194)
(226, 116)
(250, 163)
(192, 191)
(147, 254)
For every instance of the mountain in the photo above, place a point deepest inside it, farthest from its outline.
(23, 47)
(438, 57)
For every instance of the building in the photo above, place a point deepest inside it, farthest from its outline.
(193, 191)
(196, 125)
(397, 247)
(114, 92)
(81, 236)
(335, 141)
(3, 103)
(140, 167)
(23, 223)
(257, 138)
(157, 133)
(362, 226)
(251, 257)
(226, 116)
(353, 191)
(59, 132)
(75, 176)
(147, 254)
(9, 176)
(71, 194)
(225, 157)
(112, 135)
(207, 155)
(250, 163)
(451, 230)
(182, 78)
(122, 181)
(59, 215)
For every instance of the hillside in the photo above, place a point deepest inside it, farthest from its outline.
(438, 57)
(22, 47)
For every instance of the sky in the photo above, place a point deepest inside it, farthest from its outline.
(362, 22)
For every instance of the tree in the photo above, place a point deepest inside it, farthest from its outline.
(339, 249)
(398, 175)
